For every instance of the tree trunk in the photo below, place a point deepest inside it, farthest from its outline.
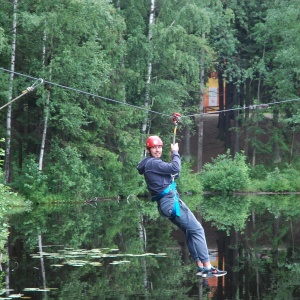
(276, 148)
(260, 80)
(7, 272)
(46, 117)
(257, 125)
(143, 239)
(228, 105)
(8, 156)
(187, 143)
(246, 118)
(149, 73)
(221, 106)
(277, 156)
(236, 124)
(254, 157)
(142, 232)
(46, 109)
(292, 147)
(254, 139)
(200, 124)
(42, 261)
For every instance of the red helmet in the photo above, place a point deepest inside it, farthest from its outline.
(153, 141)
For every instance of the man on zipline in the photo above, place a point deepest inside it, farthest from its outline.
(159, 177)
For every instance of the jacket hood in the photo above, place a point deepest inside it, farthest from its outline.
(141, 166)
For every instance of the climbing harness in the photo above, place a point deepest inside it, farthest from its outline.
(176, 117)
(176, 207)
(29, 89)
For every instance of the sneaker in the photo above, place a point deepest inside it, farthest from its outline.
(199, 271)
(213, 272)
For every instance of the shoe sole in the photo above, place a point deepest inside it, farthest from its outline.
(213, 275)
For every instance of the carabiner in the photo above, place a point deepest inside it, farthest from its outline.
(35, 84)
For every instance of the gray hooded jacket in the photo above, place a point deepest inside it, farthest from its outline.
(158, 173)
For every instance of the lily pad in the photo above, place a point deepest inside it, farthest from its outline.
(16, 295)
(56, 265)
(119, 262)
(96, 264)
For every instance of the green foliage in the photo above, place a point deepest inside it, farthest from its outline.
(108, 170)
(226, 212)
(258, 172)
(102, 47)
(106, 225)
(111, 224)
(31, 182)
(226, 173)
(285, 206)
(8, 198)
(286, 180)
(9, 202)
(189, 182)
(67, 173)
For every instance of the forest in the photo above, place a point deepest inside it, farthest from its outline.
(84, 82)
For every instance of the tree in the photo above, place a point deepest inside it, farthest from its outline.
(279, 35)
(93, 53)
(226, 173)
(8, 169)
(149, 72)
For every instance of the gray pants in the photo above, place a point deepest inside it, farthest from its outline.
(187, 222)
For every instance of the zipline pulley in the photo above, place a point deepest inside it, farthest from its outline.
(175, 117)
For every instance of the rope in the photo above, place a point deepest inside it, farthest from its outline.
(29, 89)
(143, 108)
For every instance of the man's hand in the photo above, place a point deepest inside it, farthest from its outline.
(175, 147)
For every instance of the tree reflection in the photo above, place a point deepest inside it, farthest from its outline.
(256, 240)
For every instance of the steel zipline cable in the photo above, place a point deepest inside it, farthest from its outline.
(83, 92)
(259, 106)
(254, 106)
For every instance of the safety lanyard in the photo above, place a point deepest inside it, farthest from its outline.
(176, 207)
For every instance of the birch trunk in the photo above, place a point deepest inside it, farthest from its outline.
(143, 238)
(7, 168)
(42, 261)
(149, 73)
(46, 109)
(7, 272)
(142, 232)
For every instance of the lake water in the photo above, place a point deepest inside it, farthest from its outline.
(120, 250)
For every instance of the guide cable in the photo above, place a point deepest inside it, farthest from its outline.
(40, 81)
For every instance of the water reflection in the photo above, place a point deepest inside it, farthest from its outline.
(121, 250)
